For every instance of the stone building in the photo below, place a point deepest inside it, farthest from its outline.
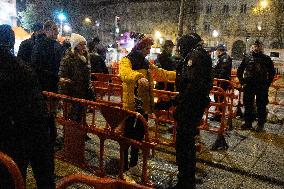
(232, 22)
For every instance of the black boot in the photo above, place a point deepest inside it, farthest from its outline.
(246, 126)
(260, 127)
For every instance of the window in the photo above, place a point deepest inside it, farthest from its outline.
(244, 8)
(208, 9)
(192, 9)
(225, 9)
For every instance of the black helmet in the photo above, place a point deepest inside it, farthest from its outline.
(187, 42)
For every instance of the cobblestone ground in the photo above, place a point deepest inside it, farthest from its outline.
(253, 160)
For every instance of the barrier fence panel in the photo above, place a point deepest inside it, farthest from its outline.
(13, 169)
(75, 131)
(98, 183)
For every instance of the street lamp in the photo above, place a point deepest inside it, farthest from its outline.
(87, 20)
(61, 17)
(263, 4)
(215, 34)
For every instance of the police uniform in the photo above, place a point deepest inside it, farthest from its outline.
(222, 71)
(256, 73)
(193, 82)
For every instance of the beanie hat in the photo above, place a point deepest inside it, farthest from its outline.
(144, 42)
(75, 39)
(7, 36)
(37, 26)
(187, 43)
(221, 47)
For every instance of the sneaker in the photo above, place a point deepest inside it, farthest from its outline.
(259, 128)
(246, 126)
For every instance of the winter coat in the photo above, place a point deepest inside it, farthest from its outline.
(133, 68)
(194, 82)
(26, 48)
(23, 111)
(223, 67)
(166, 62)
(98, 64)
(77, 71)
(45, 60)
(256, 69)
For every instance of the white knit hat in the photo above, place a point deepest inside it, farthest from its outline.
(75, 39)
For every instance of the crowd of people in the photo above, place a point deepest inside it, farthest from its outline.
(28, 130)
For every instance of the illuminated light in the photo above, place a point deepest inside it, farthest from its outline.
(161, 40)
(263, 4)
(259, 27)
(158, 34)
(215, 33)
(97, 23)
(88, 20)
(67, 28)
(121, 35)
(61, 17)
(117, 30)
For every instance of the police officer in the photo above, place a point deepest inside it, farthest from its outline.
(193, 82)
(222, 71)
(256, 73)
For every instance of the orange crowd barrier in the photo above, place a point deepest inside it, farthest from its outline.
(75, 133)
(13, 169)
(98, 183)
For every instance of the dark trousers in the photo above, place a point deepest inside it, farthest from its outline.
(134, 129)
(36, 151)
(261, 95)
(185, 148)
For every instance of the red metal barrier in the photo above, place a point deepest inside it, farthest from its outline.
(75, 134)
(220, 142)
(13, 169)
(98, 183)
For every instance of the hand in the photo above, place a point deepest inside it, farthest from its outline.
(143, 82)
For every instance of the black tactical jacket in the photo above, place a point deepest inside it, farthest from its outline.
(223, 67)
(256, 69)
(193, 82)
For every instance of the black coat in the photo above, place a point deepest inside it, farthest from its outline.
(223, 67)
(256, 69)
(166, 62)
(98, 64)
(23, 111)
(45, 60)
(26, 48)
(193, 82)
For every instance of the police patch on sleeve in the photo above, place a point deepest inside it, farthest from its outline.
(189, 63)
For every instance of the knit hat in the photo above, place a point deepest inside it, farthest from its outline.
(221, 47)
(144, 42)
(7, 36)
(75, 39)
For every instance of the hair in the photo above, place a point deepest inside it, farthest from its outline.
(48, 24)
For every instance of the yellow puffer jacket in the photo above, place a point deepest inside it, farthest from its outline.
(130, 77)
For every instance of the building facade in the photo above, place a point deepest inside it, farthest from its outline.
(8, 13)
(231, 22)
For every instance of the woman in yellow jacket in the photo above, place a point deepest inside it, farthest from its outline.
(136, 74)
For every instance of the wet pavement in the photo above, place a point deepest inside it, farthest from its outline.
(252, 161)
